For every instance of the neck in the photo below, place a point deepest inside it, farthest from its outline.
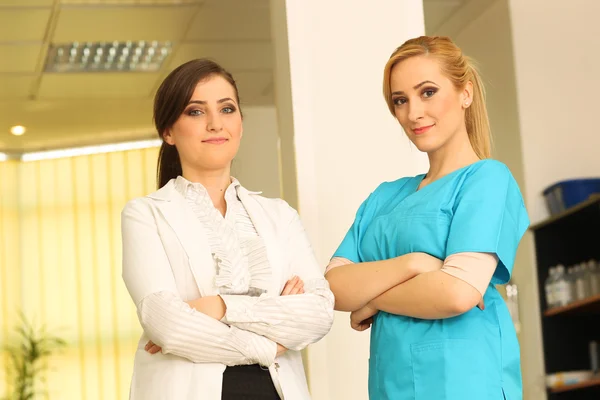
(455, 154)
(215, 182)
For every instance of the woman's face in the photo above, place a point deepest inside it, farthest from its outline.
(208, 132)
(426, 103)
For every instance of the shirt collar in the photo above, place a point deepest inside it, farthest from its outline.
(183, 186)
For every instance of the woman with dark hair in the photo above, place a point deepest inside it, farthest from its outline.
(225, 282)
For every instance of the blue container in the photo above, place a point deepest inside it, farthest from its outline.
(566, 194)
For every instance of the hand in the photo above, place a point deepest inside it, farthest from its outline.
(152, 348)
(362, 319)
(423, 262)
(280, 350)
(293, 286)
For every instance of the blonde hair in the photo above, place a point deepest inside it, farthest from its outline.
(460, 70)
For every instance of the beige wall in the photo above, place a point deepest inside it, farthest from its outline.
(257, 163)
(557, 63)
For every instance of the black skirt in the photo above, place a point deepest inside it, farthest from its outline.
(248, 382)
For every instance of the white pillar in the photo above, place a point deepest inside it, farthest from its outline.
(338, 140)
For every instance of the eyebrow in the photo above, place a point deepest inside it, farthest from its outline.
(416, 87)
(223, 100)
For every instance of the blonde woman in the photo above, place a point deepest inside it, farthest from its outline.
(425, 251)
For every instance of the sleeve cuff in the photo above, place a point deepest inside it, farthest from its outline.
(239, 309)
(258, 349)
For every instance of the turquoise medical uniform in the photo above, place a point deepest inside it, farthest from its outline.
(474, 356)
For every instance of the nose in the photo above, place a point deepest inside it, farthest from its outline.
(416, 110)
(214, 123)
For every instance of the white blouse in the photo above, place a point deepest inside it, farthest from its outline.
(239, 253)
(253, 324)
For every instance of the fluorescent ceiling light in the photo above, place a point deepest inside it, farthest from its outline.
(3, 157)
(139, 56)
(81, 151)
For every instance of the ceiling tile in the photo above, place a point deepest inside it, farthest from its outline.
(26, 3)
(96, 85)
(106, 23)
(233, 56)
(218, 23)
(19, 57)
(15, 86)
(23, 24)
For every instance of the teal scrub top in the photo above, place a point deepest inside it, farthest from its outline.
(473, 356)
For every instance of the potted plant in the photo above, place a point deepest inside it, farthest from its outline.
(27, 359)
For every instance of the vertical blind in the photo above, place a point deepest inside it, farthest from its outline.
(60, 263)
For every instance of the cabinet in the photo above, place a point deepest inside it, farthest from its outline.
(569, 238)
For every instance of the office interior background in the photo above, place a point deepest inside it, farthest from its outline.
(79, 76)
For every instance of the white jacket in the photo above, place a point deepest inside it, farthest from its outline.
(165, 251)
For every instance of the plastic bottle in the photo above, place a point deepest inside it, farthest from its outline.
(549, 288)
(562, 288)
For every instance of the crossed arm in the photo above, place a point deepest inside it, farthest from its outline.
(215, 308)
(233, 330)
(413, 285)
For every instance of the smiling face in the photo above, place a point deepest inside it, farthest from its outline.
(426, 103)
(207, 134)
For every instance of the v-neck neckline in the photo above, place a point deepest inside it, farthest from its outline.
(421, 177)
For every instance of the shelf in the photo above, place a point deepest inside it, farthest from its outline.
(591, 304)
(593, 199)
(582, 385)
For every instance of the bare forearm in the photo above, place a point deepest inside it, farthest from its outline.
(354, 285)
(431, 295)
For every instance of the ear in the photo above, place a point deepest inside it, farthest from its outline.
(168, 138)
(467, 95)
(242, 132)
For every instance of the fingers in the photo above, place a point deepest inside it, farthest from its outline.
(481, 305)
(152, 348)
(293, 286)
(280, 350)
(362, 326)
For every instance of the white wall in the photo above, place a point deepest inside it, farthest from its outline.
(487, 38)
(557, 60)
(257, 163)
(345, 141)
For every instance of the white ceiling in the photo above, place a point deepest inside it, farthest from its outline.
(81, 108)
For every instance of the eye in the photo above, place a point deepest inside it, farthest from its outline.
(429, 92)
(228, 109)
(194, 113)
(399, 101)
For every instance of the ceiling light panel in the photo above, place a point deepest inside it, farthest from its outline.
(129, 56)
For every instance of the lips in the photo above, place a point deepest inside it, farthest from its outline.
(215, 141)
(423, 129)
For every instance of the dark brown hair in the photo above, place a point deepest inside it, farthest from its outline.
(170, 101)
